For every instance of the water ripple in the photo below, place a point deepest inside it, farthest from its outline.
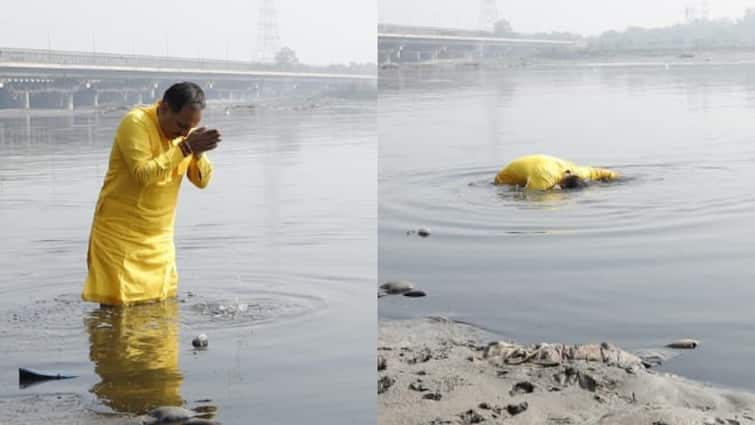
(472, 206)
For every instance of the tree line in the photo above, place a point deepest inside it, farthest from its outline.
(695, 34)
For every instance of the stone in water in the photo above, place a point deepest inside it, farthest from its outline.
(397, 287)
(415, 294)
(684, 343)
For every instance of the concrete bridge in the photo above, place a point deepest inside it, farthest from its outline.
(400, 43)
(45, 78)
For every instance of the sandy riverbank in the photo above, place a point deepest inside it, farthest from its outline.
(437, 372)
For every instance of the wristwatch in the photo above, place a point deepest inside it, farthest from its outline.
(185, 149)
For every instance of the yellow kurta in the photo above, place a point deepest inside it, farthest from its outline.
(543, 172)
(131, 256)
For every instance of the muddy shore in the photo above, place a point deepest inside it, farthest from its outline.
(434, 371)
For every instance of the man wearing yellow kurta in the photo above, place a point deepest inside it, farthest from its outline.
(543, 172)
(131, 255)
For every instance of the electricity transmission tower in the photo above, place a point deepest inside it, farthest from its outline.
(693, 14)
(268, 40)
(705, 10)
(690, 13)
(488, 15)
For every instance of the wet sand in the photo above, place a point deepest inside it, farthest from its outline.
(62, 408)
(435, 371)
(68, 408)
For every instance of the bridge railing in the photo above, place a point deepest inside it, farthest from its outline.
(108, 59)
(426, 30)
(42, 56)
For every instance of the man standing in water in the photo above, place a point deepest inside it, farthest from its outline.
(543, 172)
(131, 255)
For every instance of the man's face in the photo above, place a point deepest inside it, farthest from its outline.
(571, 181)
(178, 124)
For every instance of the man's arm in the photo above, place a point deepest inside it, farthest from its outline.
(539, 182)
(200, 171)
(603, 174)
(542, 177)
(132, 139)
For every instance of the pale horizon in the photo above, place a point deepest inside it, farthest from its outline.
(321, 33)
(585, 17)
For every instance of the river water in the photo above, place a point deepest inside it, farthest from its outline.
(663, 254)
(276, 258)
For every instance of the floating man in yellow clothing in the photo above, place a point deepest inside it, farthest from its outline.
(131, 255)
(543, 172)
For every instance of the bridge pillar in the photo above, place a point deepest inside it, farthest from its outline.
(96, 100)
(68, 101)
(27, 100)
(481, 50)
(140, 99)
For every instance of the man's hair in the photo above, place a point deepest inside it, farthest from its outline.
(181, 94)
(572, 181)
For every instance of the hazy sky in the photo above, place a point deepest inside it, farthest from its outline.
(321, 31)
(585, 17)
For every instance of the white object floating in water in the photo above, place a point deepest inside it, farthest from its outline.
(200, 341)
(424, 231)
(242, 307)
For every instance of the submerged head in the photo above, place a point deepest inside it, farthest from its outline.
(572, 181)
(180, 109)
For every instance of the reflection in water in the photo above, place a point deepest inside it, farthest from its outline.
(542, 196)
(135, 354)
